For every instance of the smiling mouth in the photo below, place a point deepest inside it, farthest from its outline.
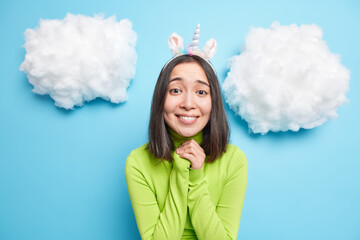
(188, 118)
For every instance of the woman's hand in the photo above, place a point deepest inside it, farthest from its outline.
(192, 151)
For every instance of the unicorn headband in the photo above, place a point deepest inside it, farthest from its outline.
(176, 45)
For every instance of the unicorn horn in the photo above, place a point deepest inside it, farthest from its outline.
(194, 45)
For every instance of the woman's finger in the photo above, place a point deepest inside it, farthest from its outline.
(189, 156)
(193, 150)
(196, 163)
(192, 144)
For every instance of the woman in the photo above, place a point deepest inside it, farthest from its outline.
(188, 182)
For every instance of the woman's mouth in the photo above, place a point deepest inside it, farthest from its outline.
(187, 119)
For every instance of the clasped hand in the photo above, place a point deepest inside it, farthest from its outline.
(193, 152)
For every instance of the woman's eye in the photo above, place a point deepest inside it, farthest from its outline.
(201, 92)
(175, 90)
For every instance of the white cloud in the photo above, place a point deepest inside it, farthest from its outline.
(80, 58)
(286, 78)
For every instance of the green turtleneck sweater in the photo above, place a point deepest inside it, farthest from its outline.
(174, 201)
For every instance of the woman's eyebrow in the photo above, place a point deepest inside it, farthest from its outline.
(202, 82)
(175, 79)
(180, 79)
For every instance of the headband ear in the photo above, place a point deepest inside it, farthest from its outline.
(209, 49)
(176, 44)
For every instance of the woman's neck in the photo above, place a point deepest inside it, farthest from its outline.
(178, 139)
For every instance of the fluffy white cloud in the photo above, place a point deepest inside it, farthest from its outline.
(80, 58)
(286, 78)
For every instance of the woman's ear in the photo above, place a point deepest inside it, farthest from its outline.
(176, 44)
(209, 49)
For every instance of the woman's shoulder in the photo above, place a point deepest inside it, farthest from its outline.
(140, 152)
(233, 149)
(142, 163)
(234, 156)
(140, 157)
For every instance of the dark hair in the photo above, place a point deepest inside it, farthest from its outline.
(216, 131)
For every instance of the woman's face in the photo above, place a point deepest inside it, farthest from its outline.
(187, 105)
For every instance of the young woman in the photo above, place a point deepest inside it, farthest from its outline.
(187, 182)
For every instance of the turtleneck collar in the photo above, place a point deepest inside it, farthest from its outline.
(178, 139)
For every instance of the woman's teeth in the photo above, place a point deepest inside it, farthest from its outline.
(187, 118)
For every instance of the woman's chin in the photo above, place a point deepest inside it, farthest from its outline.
(188, 132)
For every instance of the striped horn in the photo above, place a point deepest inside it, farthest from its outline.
(194, 45)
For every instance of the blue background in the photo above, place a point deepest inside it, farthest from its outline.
(62, 172)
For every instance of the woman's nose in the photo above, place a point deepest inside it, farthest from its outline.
(189, 101)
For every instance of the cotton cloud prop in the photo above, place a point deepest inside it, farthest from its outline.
(81, 58)
(286, 79)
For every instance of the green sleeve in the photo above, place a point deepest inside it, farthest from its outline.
(153, 224)
(220, 221)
